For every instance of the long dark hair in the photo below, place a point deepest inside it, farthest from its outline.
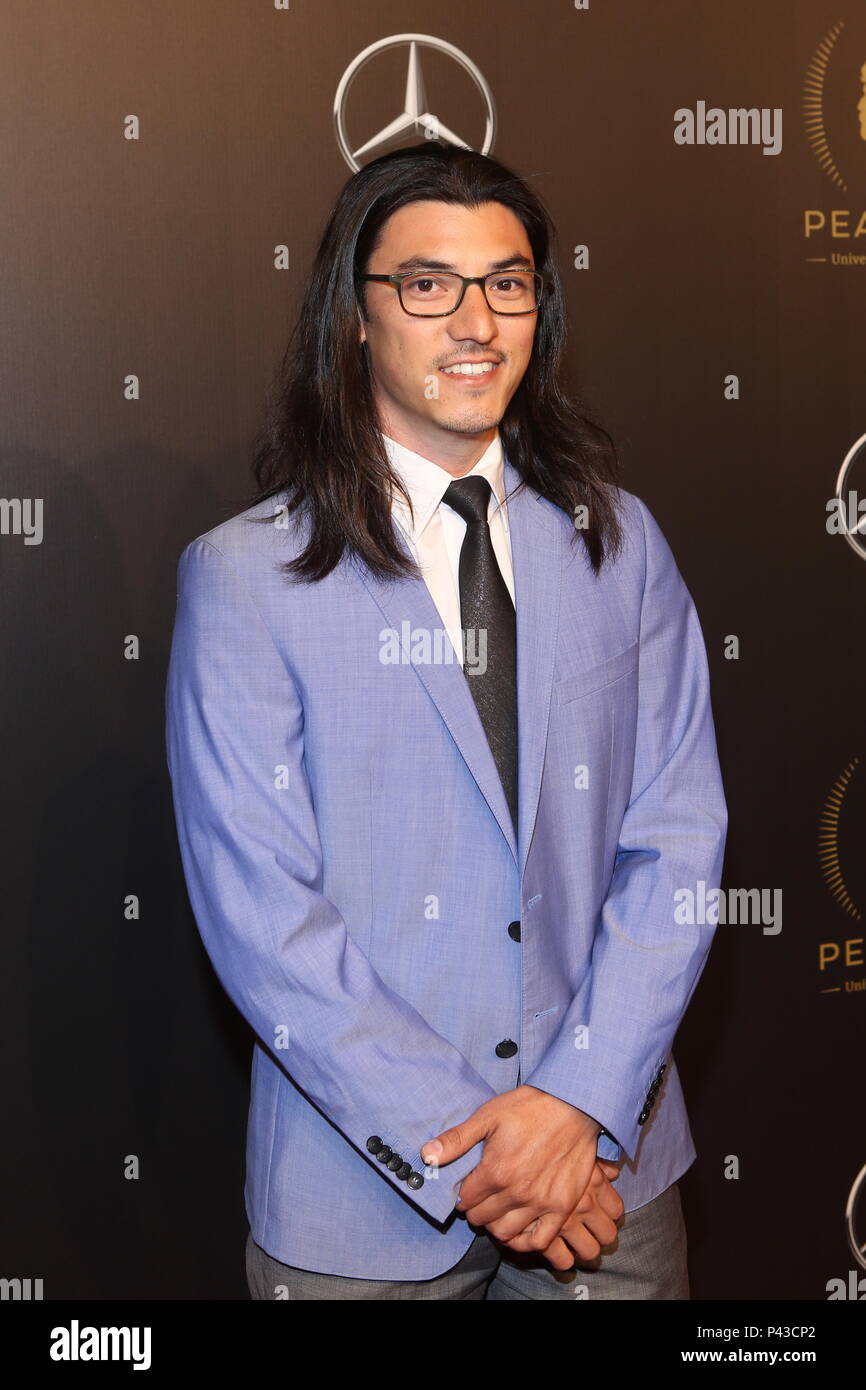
(320, 447)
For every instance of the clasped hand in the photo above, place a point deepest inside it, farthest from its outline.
(539, 1185)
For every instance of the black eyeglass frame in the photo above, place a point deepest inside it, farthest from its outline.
(544, 282)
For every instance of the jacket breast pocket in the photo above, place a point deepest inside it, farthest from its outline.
(597, 677)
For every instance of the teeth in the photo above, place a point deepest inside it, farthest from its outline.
(471, 368)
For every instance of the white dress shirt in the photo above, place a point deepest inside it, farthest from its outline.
(437, 534)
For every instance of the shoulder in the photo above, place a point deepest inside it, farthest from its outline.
(644, 563)
(644, 537)
(252, 541)
(637, 518)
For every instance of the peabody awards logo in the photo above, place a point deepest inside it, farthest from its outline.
(392, 69)
(834, 114)
(841, 958)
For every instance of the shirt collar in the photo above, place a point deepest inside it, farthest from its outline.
(426, 482)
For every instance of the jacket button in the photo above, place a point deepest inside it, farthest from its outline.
(506, 1048)
(374, 1144)
(415, 1180)
(514, 931)
(403, 1171)
(394, 1162)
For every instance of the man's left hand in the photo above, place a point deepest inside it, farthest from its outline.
(538, 1159)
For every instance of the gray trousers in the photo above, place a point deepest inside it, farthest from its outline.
(646, 1261)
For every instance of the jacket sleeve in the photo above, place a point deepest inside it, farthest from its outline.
(646, 962)
(252, 859)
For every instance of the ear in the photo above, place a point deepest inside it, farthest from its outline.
(363, 337)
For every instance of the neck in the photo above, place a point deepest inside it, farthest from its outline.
(451, 450)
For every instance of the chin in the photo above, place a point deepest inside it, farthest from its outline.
(469, 424)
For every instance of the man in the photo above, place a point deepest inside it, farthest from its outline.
(442, 754)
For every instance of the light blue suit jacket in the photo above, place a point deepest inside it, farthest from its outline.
(354, 873)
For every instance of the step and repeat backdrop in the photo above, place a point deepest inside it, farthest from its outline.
(168, 169)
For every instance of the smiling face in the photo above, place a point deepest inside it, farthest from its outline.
(450, 419)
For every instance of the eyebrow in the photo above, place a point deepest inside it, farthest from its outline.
(428, 263)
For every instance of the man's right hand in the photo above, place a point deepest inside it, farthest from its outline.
(590, 1226)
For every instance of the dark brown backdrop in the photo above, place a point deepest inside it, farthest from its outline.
(154, 257)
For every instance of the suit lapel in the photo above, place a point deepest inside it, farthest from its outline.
(536, 550)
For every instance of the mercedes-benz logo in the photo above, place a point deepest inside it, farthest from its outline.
(856, 535)
(416, 117)
(858, 1246)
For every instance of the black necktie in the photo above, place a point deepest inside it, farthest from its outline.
(486, 608)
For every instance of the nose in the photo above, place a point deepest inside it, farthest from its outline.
(474, 319)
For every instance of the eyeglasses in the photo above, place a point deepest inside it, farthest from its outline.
(432, 294)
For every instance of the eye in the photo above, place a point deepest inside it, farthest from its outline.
(424, 285)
